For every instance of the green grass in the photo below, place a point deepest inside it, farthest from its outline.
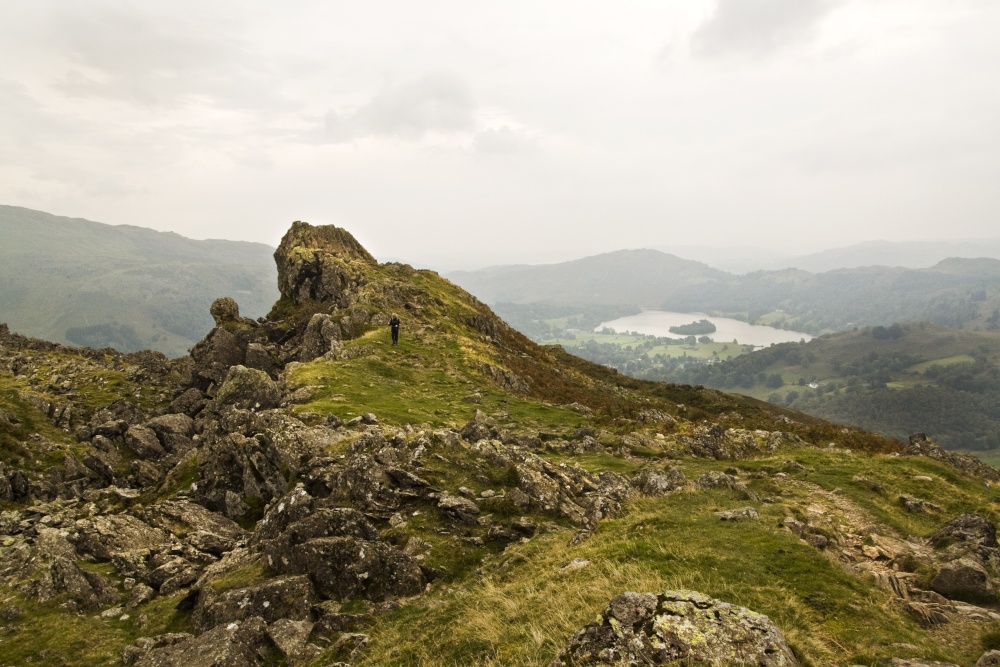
(524, 608)
(45, 634)
(426, 379)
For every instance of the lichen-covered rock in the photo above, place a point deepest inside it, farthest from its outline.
(676, 626)
(654, 482)
(289, 597)
(143, 442)
(225, 346)
(109, 535)
(346, 567)
(713, 479)
(458, 508)
(205, 530)
(248, 389)
(173, 430)
(732, 444)
(291, 638)
(741, 514)
(989, 659)
(236, 644)
(320, 334)
(64, 577)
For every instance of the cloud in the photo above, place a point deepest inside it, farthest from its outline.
(409, 110)
(120, 53)
(504, 140)
(757, 28)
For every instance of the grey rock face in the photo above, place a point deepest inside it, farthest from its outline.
(741, 514)
(236, 470)
(64, 577)
(248, 389)
(653, 482)
(733, 444)
(676, 626)
(964, 579)
(205, 530)
(224, 310)
(143, 442)
(458, 508)
(318, 337)
(110, 535)
(289, 597)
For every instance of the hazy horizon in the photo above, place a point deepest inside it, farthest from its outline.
(462, 135)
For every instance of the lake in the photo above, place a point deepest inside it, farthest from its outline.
(658, 323)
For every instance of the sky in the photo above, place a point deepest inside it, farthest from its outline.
(460, 134)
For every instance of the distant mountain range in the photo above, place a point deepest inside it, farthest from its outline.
(76, 281)
(636, 277)
(956, 292)
(905, 254)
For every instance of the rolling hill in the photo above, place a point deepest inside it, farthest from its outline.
(75, 281)
(941, 381)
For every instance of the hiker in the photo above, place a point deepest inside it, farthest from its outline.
(394, 326)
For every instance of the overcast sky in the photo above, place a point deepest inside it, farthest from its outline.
(469, 133)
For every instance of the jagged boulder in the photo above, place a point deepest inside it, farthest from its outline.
(248, 389)
(106, 536)
(654, 482)
(346, 567)
(964, 579)
(239, 474)
(733, 444)
(174, 431)
(142, 441)
(288, 597)
(676, 626)
(319, 336)
(206, 531)
(225, 346)
(320, 263)
(64, 577)
(238, 644)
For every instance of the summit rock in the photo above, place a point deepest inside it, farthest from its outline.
(320, 263)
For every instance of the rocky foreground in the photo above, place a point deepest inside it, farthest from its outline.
(245, 505)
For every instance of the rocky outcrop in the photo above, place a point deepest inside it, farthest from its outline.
(225, 346)
(320, 264)
(676, 626)
(712, 441)
(967, 534)
(337, 548)
(239, 475)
